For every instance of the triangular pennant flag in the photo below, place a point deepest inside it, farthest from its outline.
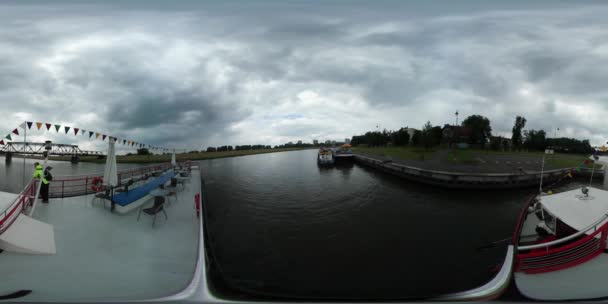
(8, 137)
(123, 141)
(1, 142)
(38, 125)
(129, 142)
(91, 133)
(66, 129)
(103, 137)
(96, 135)
(76, 131)
(57, 128)
(29, 124)
(83, 132)
(48, 126)
(22, 125)
(16, 131)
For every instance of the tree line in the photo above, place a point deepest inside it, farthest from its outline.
(478, 131)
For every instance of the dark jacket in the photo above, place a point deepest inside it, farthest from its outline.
(47, 175)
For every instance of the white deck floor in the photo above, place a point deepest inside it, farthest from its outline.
(6, 199)
(585, 281)
(107, 256)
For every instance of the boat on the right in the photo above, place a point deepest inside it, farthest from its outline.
(343, 152)
(560, 242)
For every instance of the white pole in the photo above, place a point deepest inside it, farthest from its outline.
(542, 170)
(24, 143)
(592, 169)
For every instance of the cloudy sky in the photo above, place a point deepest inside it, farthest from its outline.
(194, 74)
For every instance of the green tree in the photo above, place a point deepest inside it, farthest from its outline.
(417, 138)
(427, 135)
(143, 151)
(481, 131)
(516, 137)
(535, 140)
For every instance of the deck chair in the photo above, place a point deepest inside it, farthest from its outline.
(172, 188)
(103, 196)
(157, 208)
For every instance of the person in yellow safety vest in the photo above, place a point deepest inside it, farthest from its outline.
(38, 174)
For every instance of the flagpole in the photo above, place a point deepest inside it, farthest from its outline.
(542, 169)
(24, 143)
(592, 169)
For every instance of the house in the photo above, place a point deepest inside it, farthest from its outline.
(456, 135)
(410, 132)
(500, 143)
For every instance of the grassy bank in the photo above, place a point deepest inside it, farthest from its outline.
(398, 152)
(475, 156)
(179, 156)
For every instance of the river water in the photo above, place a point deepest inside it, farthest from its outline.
(280, 225)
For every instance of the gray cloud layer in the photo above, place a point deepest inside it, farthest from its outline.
(194, 75)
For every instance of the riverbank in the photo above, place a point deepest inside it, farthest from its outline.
(474, 161)
(179, 156)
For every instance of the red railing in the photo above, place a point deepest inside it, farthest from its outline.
(66, 186)
(25, 198)
(559, 255)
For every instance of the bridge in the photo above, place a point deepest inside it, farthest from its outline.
(48, 148)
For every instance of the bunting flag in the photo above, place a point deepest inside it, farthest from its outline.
(130, 143)
(1, 142)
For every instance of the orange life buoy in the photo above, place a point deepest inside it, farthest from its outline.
(97, 184)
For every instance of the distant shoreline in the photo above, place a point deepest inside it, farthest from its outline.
(141, 159)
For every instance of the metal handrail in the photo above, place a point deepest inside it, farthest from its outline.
(565, 239)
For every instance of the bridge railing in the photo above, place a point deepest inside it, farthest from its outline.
(67, 186)
(25, 198)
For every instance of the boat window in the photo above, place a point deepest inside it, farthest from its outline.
(550, 220)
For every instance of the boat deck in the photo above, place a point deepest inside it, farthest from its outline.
(585, 281)
(103, 255)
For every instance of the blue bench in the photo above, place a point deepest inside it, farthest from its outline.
(126, 198)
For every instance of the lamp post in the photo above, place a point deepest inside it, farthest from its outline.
(456, 117)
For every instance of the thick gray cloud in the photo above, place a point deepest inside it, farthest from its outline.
(197, 74)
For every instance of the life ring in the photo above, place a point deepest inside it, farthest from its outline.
(97, 184)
